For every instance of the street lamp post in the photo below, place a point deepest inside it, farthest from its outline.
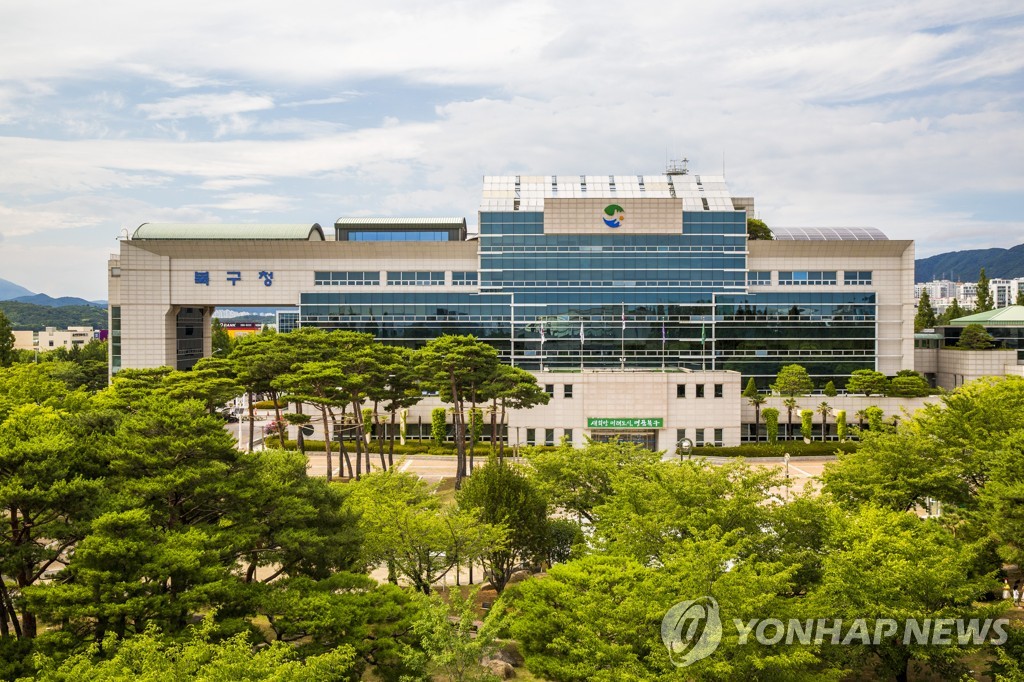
(785, 458)
(685, 445)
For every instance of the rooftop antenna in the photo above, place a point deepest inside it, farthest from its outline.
(674, 167)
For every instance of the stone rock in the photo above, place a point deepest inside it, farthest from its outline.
(500, 668)
(509, 652)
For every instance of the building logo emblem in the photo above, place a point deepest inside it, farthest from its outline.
(691, 631)
(615, 215)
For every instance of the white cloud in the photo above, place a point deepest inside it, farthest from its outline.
(866, 114)
(205, 105)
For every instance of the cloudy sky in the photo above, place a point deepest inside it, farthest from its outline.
(906, 116)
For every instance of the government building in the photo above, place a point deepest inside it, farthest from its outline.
(638, 301)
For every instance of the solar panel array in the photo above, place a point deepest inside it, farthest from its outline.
(828, 234)
(527, 192)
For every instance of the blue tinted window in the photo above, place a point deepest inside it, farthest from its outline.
(399, 236)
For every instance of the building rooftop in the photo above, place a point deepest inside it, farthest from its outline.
(1010, 316)
(528, 192)
(827, 234)
(402, 222)
(295, 232)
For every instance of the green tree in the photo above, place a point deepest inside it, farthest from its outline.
(259, 359)
(830, 389)
(887, 564)
(1020, 297)
(220, 340)
(793, 380)
(349, 610)
(318, 383)
(1002, 497)
(908, 383)
(806, 423)
(580, 481)
(874, 416)
(791, 406)
(503, 496)
(824, 409)
(510, 388)
(438, 425)
(771, 421)
(597, 618)
(756, 400)
(6, 341)
(842, 430)
(50, 484)
(925, 317)
(757, 229)
(402, 388)
(975, 337)
(150, 657)
(409, 529)
(984, 302)
(953, 312)
(655, 508)
(451, 640)
(211, 381)
(458, 367)
(868, 382)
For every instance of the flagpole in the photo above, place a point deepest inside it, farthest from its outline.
(581, 345)
(703, 340)
(542, 346)
(622, 345)
(662, 345)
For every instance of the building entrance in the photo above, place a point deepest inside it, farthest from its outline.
(645, 438)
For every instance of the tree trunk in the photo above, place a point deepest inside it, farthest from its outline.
(300, 440)
(494, 424)
(252, 420)
(391, 446)
(327, 442)
(460, 444)
(357, 416)
(277, 416)
(504, 434)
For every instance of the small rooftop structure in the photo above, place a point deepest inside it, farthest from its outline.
(284, 231)
(400, 229)
(828, 234)
(1010, 316)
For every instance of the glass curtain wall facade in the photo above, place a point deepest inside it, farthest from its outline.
(617, 299)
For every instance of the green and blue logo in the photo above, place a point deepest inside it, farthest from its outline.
(616, 215)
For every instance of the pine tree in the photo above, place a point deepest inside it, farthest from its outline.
(6, 341)
(984, 295)
(925, 318)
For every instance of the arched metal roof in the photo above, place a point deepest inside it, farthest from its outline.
(828, 234)
(294, 232)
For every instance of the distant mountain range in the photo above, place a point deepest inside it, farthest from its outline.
(965, 265)
(9, 291)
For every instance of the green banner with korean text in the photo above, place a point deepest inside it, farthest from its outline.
(625, 422)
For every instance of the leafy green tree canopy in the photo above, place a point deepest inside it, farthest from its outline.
(793, 380)
(975, 337)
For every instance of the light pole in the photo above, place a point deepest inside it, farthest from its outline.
(785, 458)
(684, 446)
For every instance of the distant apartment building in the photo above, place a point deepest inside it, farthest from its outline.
(52, 338)
(943, 292)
